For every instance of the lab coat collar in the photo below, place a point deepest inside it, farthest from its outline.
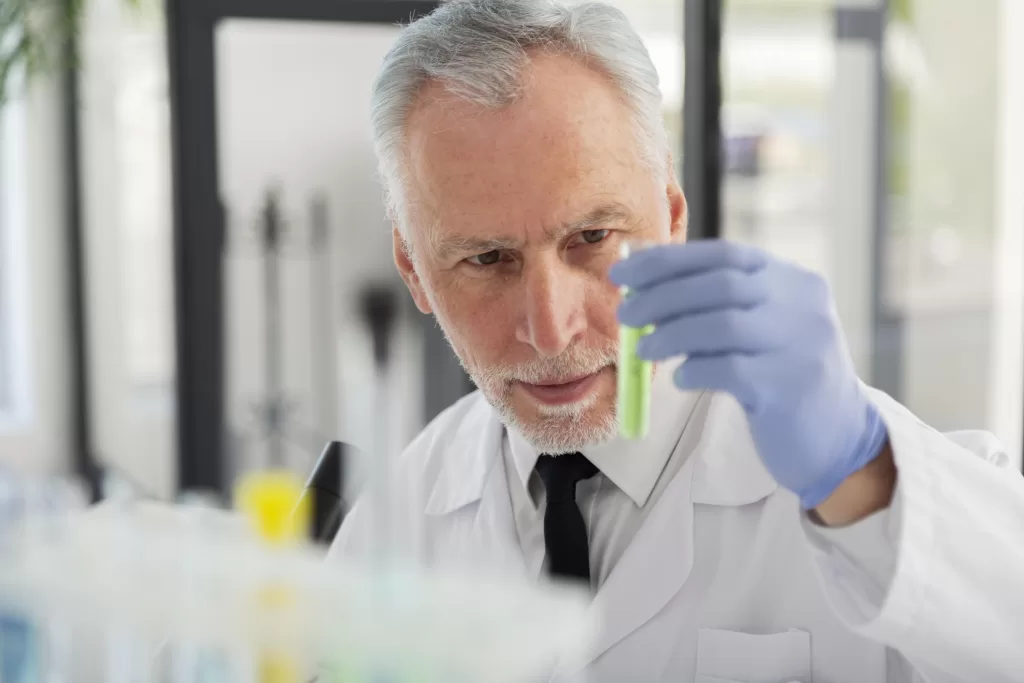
(633, 466)
(729, 471)
(466, 457)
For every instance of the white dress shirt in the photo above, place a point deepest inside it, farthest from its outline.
(615, 502)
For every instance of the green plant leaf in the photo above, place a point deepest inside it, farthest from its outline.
(35, 37)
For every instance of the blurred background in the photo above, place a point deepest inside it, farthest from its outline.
(190, 219)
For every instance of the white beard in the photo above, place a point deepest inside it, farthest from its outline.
(561, 429)
(565, 428)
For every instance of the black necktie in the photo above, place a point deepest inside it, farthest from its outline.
(565, 534)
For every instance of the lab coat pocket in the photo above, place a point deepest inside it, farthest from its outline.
(735, 657)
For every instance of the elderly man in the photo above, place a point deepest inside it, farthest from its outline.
(781, 521)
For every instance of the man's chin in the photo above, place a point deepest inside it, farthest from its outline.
(564, 433)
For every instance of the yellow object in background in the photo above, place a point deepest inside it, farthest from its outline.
(278, 670)
(274, 504)
(279, 513)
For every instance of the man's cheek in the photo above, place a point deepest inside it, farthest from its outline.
(603, 313)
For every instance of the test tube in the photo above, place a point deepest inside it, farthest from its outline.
(191, 659)
(634, 374)
(126, 650)
(18, 632)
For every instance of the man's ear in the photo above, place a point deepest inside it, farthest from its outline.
(407, 269)
(678, 211)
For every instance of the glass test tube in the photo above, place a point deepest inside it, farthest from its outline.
(634, 376)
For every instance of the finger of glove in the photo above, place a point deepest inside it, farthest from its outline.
(725, 372)
(727, 331)
(668, 261)
(721, 288)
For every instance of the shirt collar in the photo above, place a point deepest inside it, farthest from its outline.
(633, 466)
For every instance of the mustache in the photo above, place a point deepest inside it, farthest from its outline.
(571, 363)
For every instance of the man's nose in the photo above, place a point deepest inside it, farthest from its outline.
(553, 304)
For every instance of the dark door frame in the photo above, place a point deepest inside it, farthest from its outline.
(198, 221)
(702, 109)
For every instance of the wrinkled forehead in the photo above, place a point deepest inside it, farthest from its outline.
(567, 142)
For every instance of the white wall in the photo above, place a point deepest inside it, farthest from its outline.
(14, 327)
(125, 172)
(293, 111)
(1006, 399)
(35, 437)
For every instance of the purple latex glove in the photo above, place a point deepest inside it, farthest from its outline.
(766, 332)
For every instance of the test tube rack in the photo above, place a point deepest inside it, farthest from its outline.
(132, 592)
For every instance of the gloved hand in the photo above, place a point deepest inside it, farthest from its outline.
(766, 332)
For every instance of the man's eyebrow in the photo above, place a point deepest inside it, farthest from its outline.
(602, 215)
(450, 245)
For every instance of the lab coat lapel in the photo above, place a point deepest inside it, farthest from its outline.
(494, 528)
(651, 571)
(722, 468)
(471, 496)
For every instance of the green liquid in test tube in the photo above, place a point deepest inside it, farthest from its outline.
(634, 377)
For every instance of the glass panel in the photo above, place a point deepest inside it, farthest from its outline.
(294, 127)
(777, 71)
(949, 84)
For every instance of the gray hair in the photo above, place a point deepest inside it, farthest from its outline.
(478, 49)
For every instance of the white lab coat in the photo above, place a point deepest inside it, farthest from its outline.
(723, 582)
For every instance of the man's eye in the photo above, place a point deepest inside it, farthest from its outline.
(488, 258)
(593, 236)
